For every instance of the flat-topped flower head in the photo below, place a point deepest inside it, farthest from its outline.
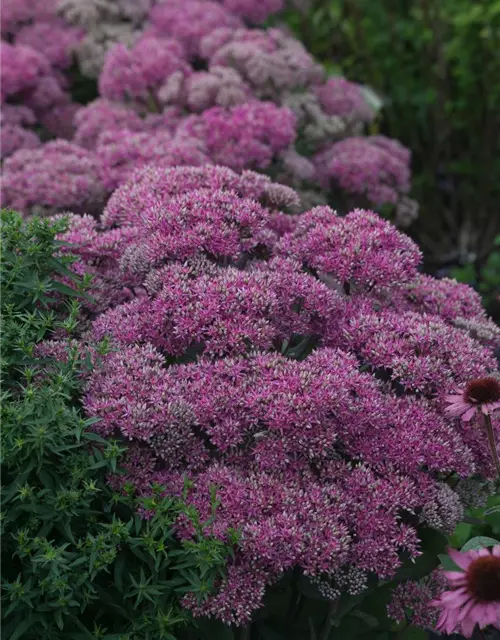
(475, 595)
(481, 395)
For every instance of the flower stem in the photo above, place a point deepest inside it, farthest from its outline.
(493, 445)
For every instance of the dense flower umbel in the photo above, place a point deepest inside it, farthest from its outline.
(189, 20)
(57, 176)
(375, 167)
(475, 595)
(246, 136)
(138, 73)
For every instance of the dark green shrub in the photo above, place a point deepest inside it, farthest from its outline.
(436, 65)
(77, 560)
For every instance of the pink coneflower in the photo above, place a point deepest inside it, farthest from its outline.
(475, 595)
(479, 396)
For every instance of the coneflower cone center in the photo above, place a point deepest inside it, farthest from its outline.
(483, 390)
(483, 579)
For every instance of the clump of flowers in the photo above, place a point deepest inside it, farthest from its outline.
(245, 136)
(339, 97)
(55, 39)
(137, 74)
(121, 151)
(54, 177)
(374, 167)
(273, 359)
(189, 20)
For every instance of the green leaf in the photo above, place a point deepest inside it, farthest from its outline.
(479, 542)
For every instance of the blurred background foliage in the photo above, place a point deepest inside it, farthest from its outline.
(436, 66)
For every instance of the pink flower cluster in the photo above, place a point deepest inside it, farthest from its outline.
(298, 366)
(374, 167)
(36, 48)
(192, 82)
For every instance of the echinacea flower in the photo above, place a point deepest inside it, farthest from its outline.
(475, 595)
(480, 396)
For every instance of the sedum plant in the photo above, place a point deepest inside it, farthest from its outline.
(302, 372)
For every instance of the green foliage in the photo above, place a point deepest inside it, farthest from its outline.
(77, 559)
(485, 278)
(436, 65)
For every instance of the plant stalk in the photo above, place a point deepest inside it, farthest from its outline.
(493, 444)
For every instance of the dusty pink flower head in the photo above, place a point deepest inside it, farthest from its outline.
(339, 97)
(57, 176)
(361, 248)
(189, 21)
(480, 396)
(374, 167)
(103, 115)
(139, 72)
(14, 137)
(122, 151)
(16, 13)
(156, 186)
(55, 39)
(270, 61)
(246, 136)
(474, 598)
(22, 69)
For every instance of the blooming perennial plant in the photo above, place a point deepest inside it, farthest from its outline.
(298, 367)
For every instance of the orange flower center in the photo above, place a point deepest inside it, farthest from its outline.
(483, 390)
(483, 578)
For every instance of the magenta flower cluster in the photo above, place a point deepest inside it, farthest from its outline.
(298, 366)
(188, 82)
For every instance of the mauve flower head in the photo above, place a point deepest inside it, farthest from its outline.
(155, 186)
(412, 601)
(361, 250)
(226, 315)
(137, 74)
(420, 353)
(103, 115)
(22, 69)
(203, 221)
(122, 151)
(271, 62)
(220, 86)
(14, 137)
(16, 114)
(188, 21)
(474, 598)
(48, 93)
(55, 39)
(339, 97)
(57, 176)
(245, 136)
(446, 298)
(374, 167)
(16, 13)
